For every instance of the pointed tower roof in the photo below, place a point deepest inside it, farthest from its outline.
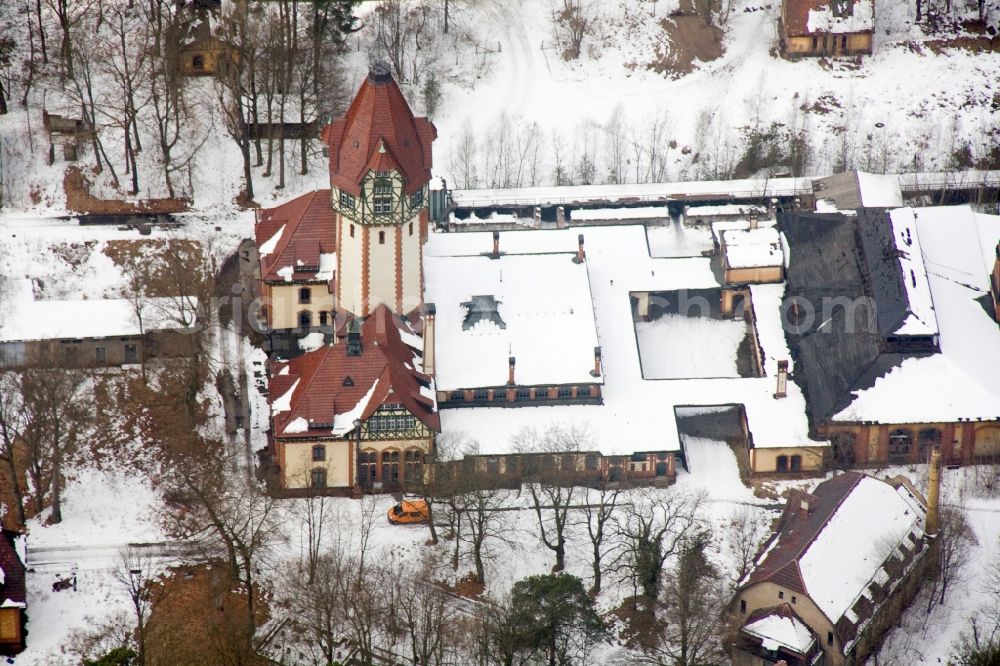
(379, 124)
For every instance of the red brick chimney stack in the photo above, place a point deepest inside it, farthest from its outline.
(496, 245)
(781, 390)
(581, 255)
(596, 372)
(510, 371)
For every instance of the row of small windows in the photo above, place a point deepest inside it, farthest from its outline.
(410, 464)
(521, 393)
(382, 199)
(392, 423)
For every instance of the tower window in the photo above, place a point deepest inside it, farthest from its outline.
(411, 228)
(352, 231)
(417, 199)
(381, 238)
(382, 204)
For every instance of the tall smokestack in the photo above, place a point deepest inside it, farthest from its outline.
(781, 390)
(430, 314)
(933, 493)
(510, 371)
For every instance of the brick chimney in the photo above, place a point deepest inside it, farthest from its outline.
(781, 390)
(933, 493)
(596, 372)
(496, 246)
(510, 371)
(581, 255)
(430, 314)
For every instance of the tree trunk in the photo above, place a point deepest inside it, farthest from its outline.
(430, 523)
(41, 31)
(15, 486)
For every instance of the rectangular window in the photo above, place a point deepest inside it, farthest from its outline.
(381, 174)
(305, 295)
(794, 598)
(318, 478)
(796, 463)
(743, 605)
(383, 187)
(781, 595)
(829, 638)
(382, 204)
(411, 228)
(319, 453)
(102, 355)
(417, 199)
(782, 464)
(324, 318)
(352, 231)
(131, 354)
(346, 199)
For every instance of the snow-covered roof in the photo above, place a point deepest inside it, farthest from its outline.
(857, 540)
(618, 264)
(878, 190)
(752, 248)
(832, 545)
(725, 210)
(642, 213)
(920, 319)
(546, 320)
(856, 16)
(778, 630)
(25, 319)
(960, 382)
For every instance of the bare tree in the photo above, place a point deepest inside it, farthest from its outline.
(14, 420)
(745, 533)
(487, 525)
(598, 512)
(956, 540)
(552, 490)
(693, 598)
(133, 574)
(651, 530)
(573, 22)
(56, 402)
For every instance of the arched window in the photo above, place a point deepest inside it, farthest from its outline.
(381, 238)
(368, 463)
(317, 478)
(305, 319)
(413, 469)
(782, 464)
(390, 467)
(795, 463)
(928, 439)
(900, 445)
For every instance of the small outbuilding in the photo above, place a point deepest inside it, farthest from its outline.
(826, 27)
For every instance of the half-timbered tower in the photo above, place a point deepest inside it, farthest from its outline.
(380, 165)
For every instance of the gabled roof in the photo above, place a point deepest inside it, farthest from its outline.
(379, 115)
(294, 235)
(780, 627)
(322, 392)
(812, 17)
(837, 543)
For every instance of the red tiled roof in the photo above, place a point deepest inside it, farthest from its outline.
(798, 528)
(384, 372)
(379, 113)
(309, 230)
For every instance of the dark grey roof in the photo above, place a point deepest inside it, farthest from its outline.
(482, 308)
(881, 269)
(835, 341)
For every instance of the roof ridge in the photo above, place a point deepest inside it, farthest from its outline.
(294, 404)
(290, 223)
